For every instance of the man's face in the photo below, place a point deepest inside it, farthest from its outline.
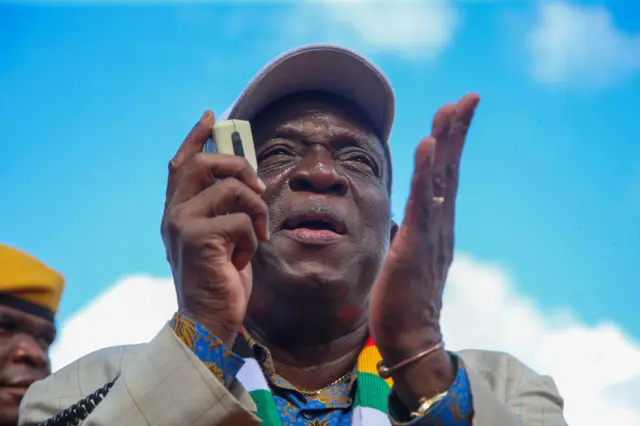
(326, 177)
(24, 343)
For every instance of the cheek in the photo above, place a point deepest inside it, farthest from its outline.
(376, 219)
(275, 178)
(376, 214)
(5, 351)
(274, 195)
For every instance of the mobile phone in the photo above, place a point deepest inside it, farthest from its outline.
(233, 137)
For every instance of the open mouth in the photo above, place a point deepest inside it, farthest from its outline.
(319, 224)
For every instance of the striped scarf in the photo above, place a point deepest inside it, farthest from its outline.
(370, 403)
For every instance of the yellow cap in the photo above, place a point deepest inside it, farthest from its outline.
(28, 284)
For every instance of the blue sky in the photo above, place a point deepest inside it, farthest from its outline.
(95, 100)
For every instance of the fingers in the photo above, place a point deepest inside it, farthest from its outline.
(201, 170)
(191, 145)
(227, 198)
(235, 232)
(430, 207)
(238, 231)
(458, 128)
(228, 218)
(440, 129)
(194, 141)
(442, 121)
(419, 211)
(460, 124)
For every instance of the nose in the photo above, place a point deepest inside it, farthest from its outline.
(28, 351)
(317, 173)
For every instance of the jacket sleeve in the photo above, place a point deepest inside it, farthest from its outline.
(161, 383)
(453, 410)
(506, 392)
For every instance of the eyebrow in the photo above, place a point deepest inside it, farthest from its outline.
(339, 138)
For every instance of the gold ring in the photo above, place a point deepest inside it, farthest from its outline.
(438, 200)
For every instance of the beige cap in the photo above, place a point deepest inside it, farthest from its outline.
(320, 67)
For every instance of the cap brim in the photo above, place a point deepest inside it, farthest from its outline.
(321, 67)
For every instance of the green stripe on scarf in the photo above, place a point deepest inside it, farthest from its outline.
(372, 391)
(267, 410)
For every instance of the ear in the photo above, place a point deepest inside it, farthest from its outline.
(394, 230)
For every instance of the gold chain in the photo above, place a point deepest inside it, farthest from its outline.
(319, 391)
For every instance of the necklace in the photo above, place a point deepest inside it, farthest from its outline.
(319, 391)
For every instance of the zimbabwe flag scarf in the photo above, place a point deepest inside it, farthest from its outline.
(370, 403)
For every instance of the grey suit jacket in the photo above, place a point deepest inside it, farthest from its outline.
(162, 383)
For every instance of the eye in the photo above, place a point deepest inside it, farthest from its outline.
(275, 152)
(361, 158)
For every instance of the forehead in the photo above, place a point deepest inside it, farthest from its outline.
(308, 111)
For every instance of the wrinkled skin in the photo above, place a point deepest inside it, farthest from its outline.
(24, 344)
(318, 155)
(212, 231)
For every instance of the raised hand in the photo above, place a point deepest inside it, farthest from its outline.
(407, 298)
(211, 229)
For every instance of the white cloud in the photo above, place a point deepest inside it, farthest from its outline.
(581, 46)
(592, 366)
(597, 369)
(130, 311)
(411, 29)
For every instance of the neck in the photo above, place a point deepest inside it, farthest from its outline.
(314, 356)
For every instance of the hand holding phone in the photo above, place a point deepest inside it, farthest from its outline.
(231, 137)
(215, 217)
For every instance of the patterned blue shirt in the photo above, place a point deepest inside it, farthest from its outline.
(333, 405)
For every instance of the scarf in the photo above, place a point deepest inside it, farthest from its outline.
(369, 405)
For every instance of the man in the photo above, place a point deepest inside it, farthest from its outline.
(29, 296)
(300, 301)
